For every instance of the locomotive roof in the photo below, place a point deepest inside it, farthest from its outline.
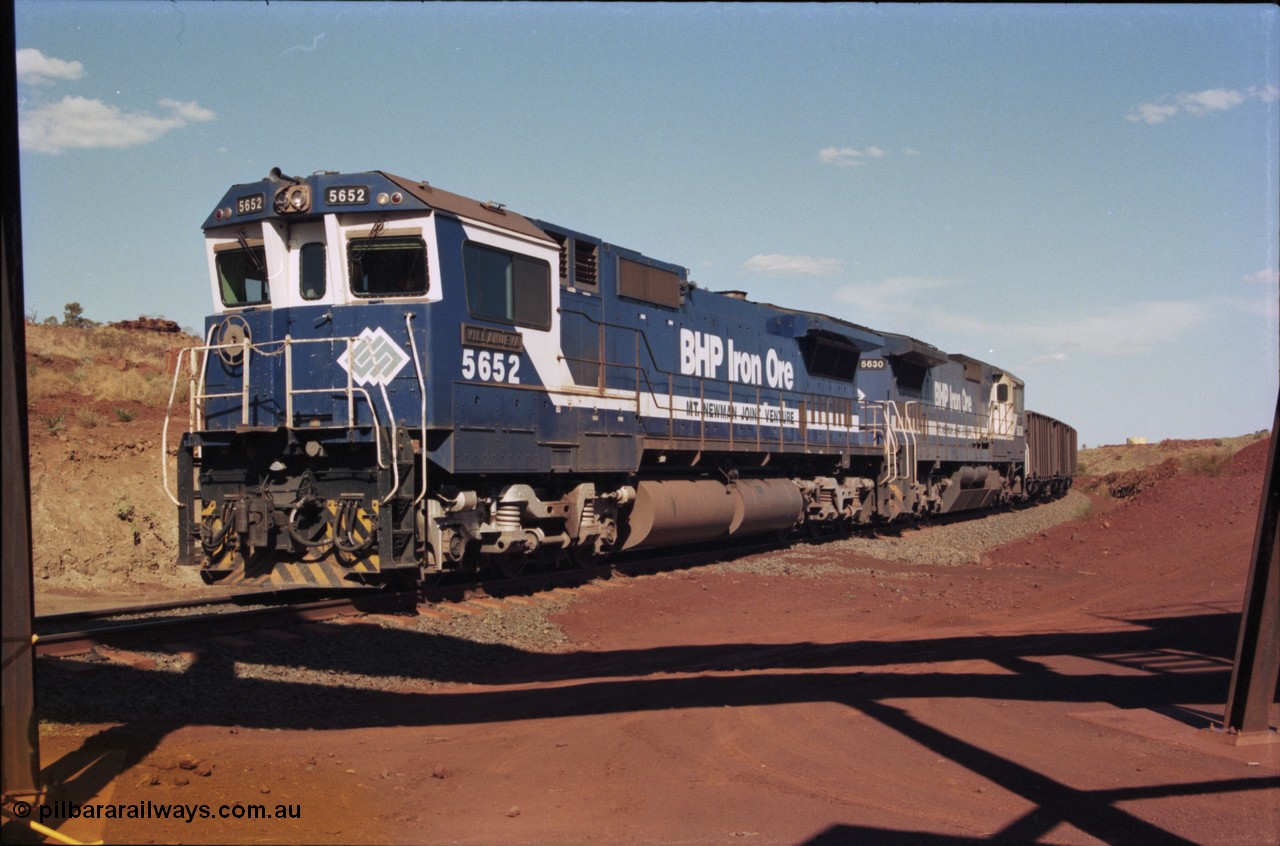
(913, 350)
(962, 358)
(492, 213)
(797, 323)
(792, 323)
(421, 195)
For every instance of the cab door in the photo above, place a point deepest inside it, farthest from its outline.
(1002, 415)
(310, 299)
(248, 274)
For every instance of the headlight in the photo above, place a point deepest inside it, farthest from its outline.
(293, 199)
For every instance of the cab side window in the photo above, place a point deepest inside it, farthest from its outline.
(311, 260)
(507, 287)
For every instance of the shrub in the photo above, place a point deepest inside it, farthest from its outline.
(55, 423)
(1206, 462)
(88, 418)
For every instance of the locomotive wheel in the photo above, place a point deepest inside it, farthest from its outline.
(429, 576)
(579, 557)
(508, 566)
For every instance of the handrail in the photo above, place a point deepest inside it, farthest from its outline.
(191, 409)
(422, 391)
(198, 397)
(913, 449)
(890, 443)
(935, 424)
(642, 376)
(164, 431)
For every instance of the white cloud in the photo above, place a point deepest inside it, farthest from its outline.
(780, 265)
(191, 111)
(890, 299)
(1126, 330)
(1266, 276)
(35, 68)
(1199, 103)
(1213, 100)
(1269, 94)
(1151, 113)
(848, 156)
(1051, 358)
(923, 307)
(80, 123)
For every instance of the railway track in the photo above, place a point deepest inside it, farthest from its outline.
(77, 633)
(160, 622)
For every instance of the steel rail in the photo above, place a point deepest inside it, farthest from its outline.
(370, 601)
(363, 601)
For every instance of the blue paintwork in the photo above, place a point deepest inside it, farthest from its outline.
(377, 182)
(487, 428)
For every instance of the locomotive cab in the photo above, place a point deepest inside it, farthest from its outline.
(305, 398)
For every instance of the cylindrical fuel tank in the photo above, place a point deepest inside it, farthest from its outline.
(679, 511)
(765, 505)
(977, 477)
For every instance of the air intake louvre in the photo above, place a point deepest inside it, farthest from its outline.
(584, 263)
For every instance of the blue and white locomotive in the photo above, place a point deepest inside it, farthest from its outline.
(398, 381)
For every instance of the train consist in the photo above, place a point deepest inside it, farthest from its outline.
(397, 381)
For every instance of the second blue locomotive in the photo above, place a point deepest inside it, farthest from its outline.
(398, 381)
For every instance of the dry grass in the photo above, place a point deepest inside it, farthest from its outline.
(102, 342)
(101, 364)
(1205, 457)
(1208, 462)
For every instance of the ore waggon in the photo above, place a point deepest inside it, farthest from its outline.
(397, 381)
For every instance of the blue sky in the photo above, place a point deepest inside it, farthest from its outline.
(1086, 195)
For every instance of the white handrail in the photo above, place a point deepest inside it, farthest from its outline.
(196, 400)
(391, 449)
(890, 443)
(422, 391)
(164, 431)
(914, 449)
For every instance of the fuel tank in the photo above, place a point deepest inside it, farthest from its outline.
(676, 511)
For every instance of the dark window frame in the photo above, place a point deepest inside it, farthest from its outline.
(308, 273)
(525, 293)
(230, 279)
(416, 275)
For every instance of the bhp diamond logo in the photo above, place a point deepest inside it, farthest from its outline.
(374, 358)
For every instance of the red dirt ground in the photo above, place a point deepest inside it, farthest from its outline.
(1060, 691)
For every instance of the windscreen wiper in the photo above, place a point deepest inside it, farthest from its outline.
(253, 257)
(358, 258)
